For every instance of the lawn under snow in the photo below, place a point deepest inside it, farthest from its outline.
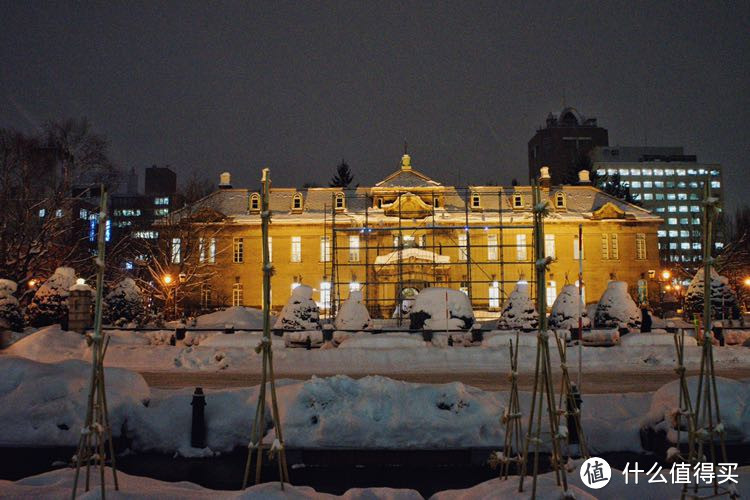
(361, 353)
(43, 404)
(59, 484)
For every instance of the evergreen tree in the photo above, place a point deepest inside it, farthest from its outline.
(343, 176)
(124, 304)
(10, 312)
(50, 303)
(723, 299)
(613, 185)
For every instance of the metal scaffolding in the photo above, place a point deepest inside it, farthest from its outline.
(437, 233)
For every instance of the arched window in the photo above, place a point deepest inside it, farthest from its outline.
(517, 201)
(476, 201)
(297, 201)
(559, 199)
(255, 201)
(340, 201)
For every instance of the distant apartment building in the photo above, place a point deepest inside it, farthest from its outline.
(563, 143)
(671, 185)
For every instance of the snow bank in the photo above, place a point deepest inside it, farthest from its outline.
(59, 484)
(394, 340)
(49, 345)
(440, 308)
(601, 337)
(45, 404)
(734, 398)
(647, 339)
(617, 308)
(377, 412)
(353, 314)
(565, 310)
(239, 317)
(247, 340)
(502, 338)
(300, 312)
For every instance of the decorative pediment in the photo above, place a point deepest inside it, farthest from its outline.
(408, 206)
(411, 255)
(609, 211)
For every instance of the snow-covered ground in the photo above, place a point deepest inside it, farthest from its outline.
(361, 353)
(43, 404)
(59, 484)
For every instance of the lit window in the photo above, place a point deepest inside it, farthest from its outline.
(520, 247)
(715, 184)
(648, 196)
(684, 220)
(462, 243)
(696, 222)
(611, 171)
(648, 184)
(684, 234)
(661, 233)
(672, 221)
(176, 250)
(681, 171)
(325, 249)
(683, 208)
(658, 171)
(635, 171)
(714, 173)
(673, 234)
(659, 184)
(637, 196)
(671, 208)
(491, 247)
(697, 246)
(148, 235)
(325, 295)
(161, 212)
(42, 212)
(624, 172)
(551, 292)
(660, 209)
(238, 298)
(669, 171)
(83, 213)
(671, 196)
(640, 246)
(684, 246)
(673, 246)
(560, 200)
(296, 251)
(340, 201)
(659, 196)
(682, 184)
(161, 201)
(577, 248)
(549, 245)
(692, 171)
(695, 208)
(693, 185)
(635, 184)
(238, 250)
(648, 171)
(353, 248)
(255, 201)
(494, 295)
(682, 196)
(669, 184)
(601, 172)
(270, 249)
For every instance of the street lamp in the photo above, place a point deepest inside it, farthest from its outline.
(665, 274)
(167, 279)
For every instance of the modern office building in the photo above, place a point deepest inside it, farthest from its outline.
(671, 184)
(563, 144)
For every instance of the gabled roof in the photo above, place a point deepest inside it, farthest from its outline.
(406, 177)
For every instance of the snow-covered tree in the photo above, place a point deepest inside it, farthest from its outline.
(564, 313)
(520, 312)
(124, 303)
(50, 303)
(353, 314)
(439, 308)
(616, 308)
(723, 299)
(11, 317)
(301, 312)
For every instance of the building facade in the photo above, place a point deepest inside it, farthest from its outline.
(563, 144)
(671, 185)
(409, 232)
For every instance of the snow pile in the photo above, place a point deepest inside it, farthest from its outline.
(45, 404)
(124, 303)
(392, 340)
(303, 338)
(353, 314)
(546, 489)
(11, 317)
(238, 317)
(519, 312)
(377, 412)
(502, 338)
(565, 310)
(239, 339)
(723, 299)
(734, 398)
(59, 484)
(50, 345)
(440, 308)
(164, 425)
(616, 308)
(651, 339)
(601, 337)
(50, 303)
(301, 312)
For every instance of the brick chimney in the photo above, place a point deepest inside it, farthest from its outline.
(583, 177)
(225, 180)
(544, 178)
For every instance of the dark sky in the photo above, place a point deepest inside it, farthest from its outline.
(297, 86)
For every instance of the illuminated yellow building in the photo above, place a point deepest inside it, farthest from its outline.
(409, 232)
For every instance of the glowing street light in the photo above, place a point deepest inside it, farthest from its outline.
(167, 278)
(665, 274)
(747, 282)
(32, 283)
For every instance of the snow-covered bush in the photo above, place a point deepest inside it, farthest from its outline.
(301, 312)
(564, 313)
(519, 312)
(441, 309)
(353, 314)
(723, 299)
(50, 303)
(11, 317)
(124, 303)
(616, 308)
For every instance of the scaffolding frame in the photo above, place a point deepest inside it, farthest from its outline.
(400, 228)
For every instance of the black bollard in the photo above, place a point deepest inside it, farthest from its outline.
(308, 343)
(179, 333)
(198, 429)
(450, 340)
(571, 408)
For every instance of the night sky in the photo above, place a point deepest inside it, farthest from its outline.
(298, 86)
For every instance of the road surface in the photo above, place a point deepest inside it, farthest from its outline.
(593, 383)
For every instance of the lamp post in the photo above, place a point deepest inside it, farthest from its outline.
(664, 277)
(168, 283)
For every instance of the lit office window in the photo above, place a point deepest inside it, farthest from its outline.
(462, 255)
(494, 295)
(549, 245)
(325, 249)
(296, 250)
(353, 248)
(520, 247)
(491, 247)
(551, 292)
